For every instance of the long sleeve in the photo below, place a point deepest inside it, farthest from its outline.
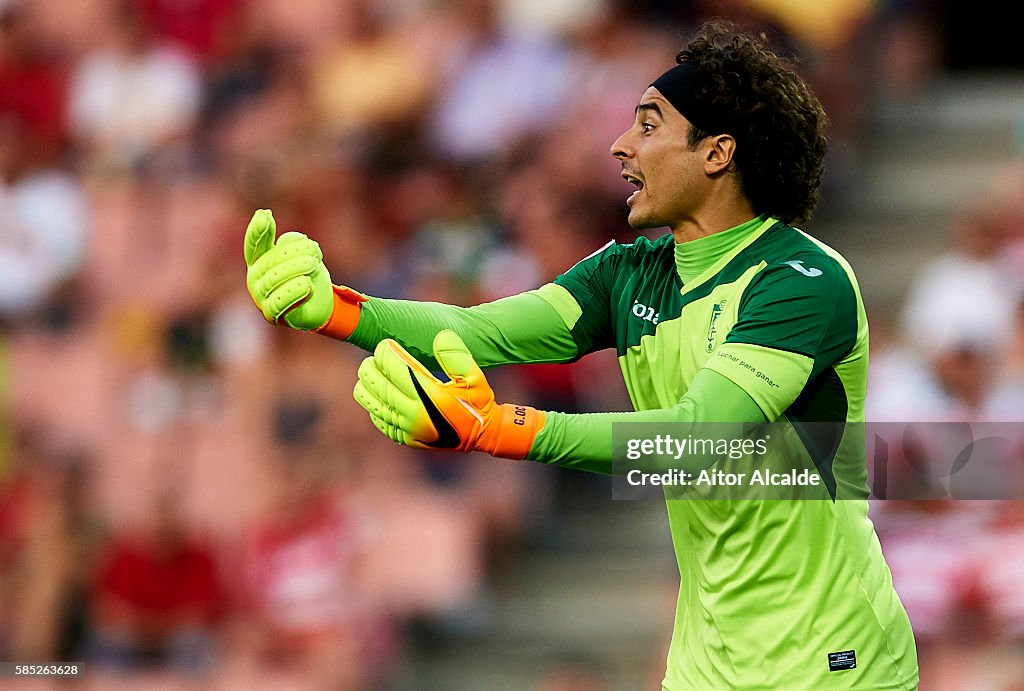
(532, 327)
(584, 441)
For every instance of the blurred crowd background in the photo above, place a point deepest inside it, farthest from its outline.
(189, 496)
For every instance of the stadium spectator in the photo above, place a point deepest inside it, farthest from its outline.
(157, 598)
(501, 85)
(941, 311)
(200, 27)
(374, 81)
(133, 102)
(44, 224)
(48, 536)
(304, 610)
(43, 210)
(33, 89)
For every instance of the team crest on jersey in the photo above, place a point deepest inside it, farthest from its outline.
(716, 312)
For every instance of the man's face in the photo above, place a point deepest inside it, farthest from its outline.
(656, 156)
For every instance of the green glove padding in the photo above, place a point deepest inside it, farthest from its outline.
(287, 277)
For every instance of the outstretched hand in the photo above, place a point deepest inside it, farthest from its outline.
(286, 276)
(413, 407)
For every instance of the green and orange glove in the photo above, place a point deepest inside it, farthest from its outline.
(413, 407)
(289, 283)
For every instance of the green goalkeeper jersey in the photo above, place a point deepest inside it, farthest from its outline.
(773, 594)
(760, 321)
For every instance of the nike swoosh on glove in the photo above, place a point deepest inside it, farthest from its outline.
(413, 407)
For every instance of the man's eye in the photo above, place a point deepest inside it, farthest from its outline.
(647, 127)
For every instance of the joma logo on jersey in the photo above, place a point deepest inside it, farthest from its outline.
(716, 312)
(799, 266)
(644, 312)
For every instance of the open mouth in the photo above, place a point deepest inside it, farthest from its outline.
(633, 180)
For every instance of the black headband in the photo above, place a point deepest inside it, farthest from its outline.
(679, 87)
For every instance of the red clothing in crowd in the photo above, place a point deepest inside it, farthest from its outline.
(198, 26)
(299, 575)
(180, 586)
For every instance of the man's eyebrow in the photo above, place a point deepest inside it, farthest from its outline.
(650, 106)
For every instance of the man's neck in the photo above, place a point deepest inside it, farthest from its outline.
(711, 220)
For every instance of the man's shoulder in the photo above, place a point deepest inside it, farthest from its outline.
(615, 257)
(639, 248)
(790, 253)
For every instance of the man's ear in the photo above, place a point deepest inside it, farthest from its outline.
(721, 149)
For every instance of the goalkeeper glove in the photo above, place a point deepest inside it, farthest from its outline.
(288, 281)
(412, 407)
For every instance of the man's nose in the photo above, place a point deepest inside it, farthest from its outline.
(621, 148)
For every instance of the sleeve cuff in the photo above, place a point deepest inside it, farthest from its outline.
(772, 378)
(344, 315)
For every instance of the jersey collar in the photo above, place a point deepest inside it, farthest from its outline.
(699, 260)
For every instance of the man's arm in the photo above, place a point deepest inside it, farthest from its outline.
(584, 441)
(522, 329)
(789, 329)
(288, 281)
(412, 407)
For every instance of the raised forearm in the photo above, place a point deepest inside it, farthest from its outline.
(289, 283)
(521, 329)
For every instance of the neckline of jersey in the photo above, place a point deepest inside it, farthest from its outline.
(698, 260)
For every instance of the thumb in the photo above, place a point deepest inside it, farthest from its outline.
(259, 235)
(456, 360)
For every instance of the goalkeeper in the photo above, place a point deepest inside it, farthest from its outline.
(734, 316)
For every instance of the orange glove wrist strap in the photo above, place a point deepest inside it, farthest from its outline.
(515, 430)
(344, 315)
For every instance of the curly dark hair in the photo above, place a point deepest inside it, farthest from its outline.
(778, 121)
